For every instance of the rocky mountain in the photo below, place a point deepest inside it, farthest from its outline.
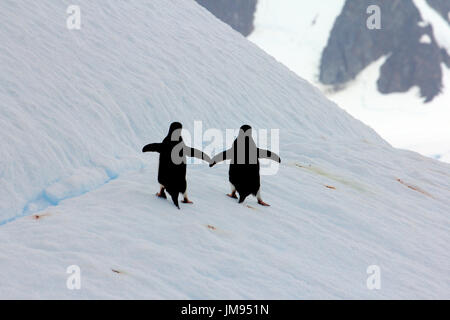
(239, 14)
(395, 79)
(414, 56)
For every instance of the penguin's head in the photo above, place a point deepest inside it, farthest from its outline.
(245, 130)
(175, 131)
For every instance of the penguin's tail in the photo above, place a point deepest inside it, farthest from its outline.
(174, 197)
(242, 197)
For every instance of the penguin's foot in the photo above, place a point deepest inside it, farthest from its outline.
(263, 203)
(187, 201)
(161, 194)
(232, 195)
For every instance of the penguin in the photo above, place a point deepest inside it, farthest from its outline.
(244, 167)
(172, 163)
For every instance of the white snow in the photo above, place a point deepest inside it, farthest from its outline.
(425, 39)
(441, 27)
(76, 107)
(284, 30)
(409, 125)
(295, 32)
(423, 24)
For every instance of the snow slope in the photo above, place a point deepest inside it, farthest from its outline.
(76, 108)
(82, 103)
(296, 32)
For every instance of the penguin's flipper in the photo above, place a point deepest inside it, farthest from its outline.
(152, 147)
(192, 152)
(266, 154)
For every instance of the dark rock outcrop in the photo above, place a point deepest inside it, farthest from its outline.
(410, 60)
(239, 14)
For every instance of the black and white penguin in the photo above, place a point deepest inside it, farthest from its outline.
(172, 163)
(244, 167)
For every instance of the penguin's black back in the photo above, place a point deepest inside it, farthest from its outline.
(172, 175)
(244, 168)
(171, 171)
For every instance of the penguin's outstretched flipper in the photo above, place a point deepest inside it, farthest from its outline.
(152, 147)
